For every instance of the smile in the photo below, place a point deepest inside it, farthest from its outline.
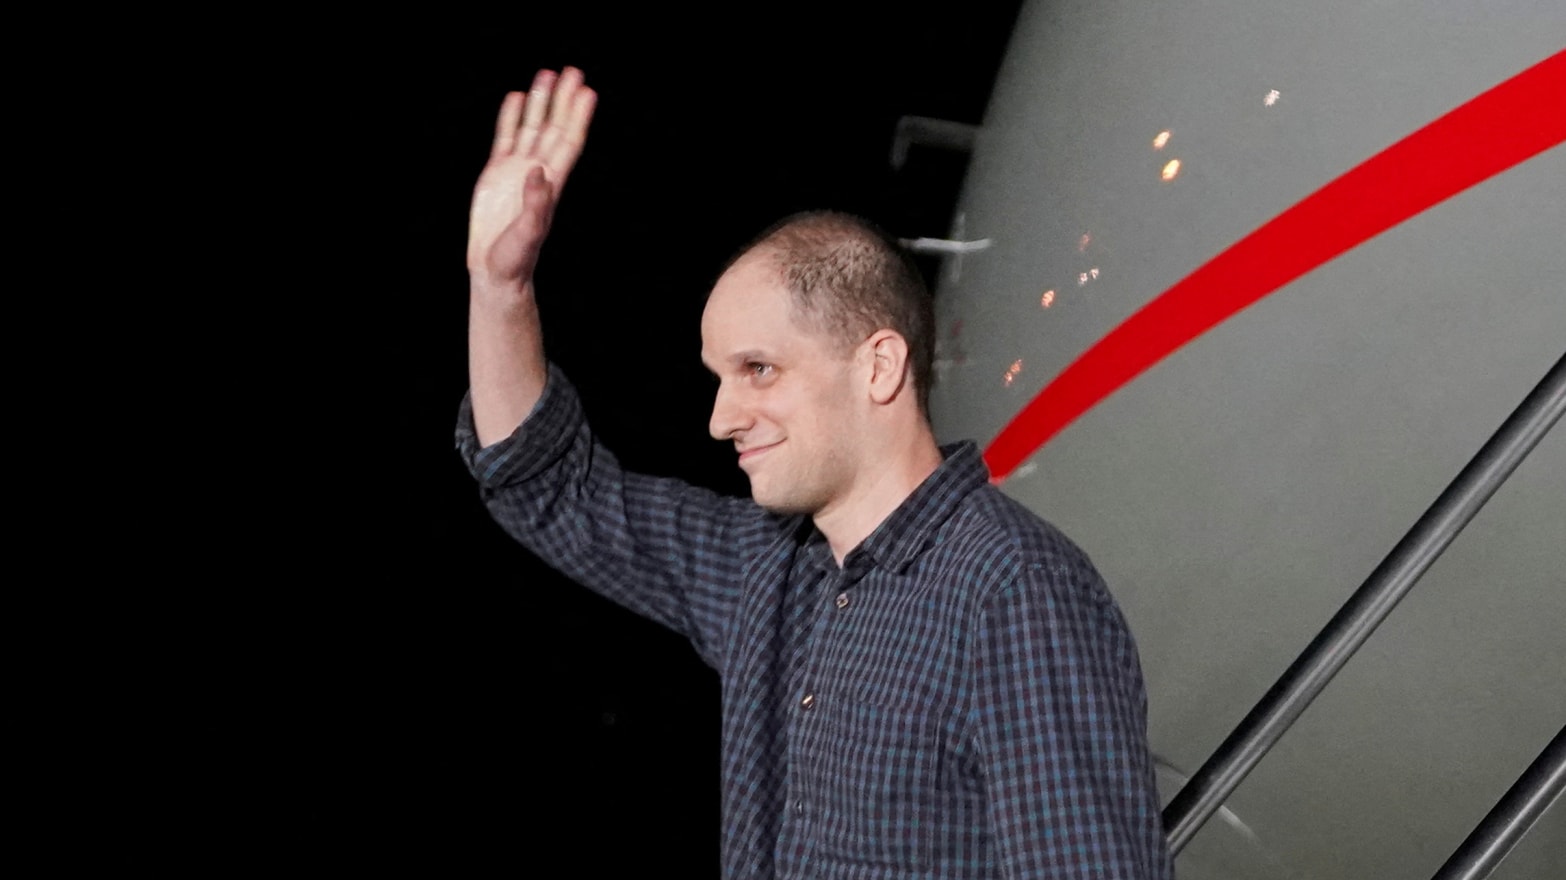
(749, 454)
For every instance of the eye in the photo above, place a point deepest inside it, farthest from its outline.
(758, 370)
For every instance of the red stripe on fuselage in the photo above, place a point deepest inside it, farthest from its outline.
(1506, 125)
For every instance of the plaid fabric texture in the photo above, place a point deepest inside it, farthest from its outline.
(962, 699)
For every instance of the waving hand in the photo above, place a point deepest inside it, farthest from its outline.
(538, 137)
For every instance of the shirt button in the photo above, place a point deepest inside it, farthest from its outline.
(808, 701)
(842, 600)
(799, 808)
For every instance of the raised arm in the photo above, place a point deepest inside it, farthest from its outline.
(538, 137)
(666, 550)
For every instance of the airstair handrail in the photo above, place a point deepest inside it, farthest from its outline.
(1511, 817)
(1364, 611)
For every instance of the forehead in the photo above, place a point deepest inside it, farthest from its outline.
(750, 309)
(751, 284)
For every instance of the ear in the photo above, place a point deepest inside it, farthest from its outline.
(888, 365)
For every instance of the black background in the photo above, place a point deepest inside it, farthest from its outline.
(377, 677)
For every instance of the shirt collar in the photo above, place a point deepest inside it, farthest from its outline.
(904, 534)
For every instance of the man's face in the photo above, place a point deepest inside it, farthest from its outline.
(784, 394)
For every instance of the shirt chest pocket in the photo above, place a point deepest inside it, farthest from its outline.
(881, 776)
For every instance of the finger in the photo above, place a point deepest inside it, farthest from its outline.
(574, 134)
(581, 113)
(559, 146)
(565, 90)
(506, 124)
(533, 112)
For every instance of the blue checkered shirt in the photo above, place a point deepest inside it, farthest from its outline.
(961, 699)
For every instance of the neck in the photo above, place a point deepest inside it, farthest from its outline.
(887, 477)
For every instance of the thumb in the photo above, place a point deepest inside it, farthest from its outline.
(515, 252)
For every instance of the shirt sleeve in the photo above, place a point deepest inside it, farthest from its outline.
(669, 551)
(1060, 710)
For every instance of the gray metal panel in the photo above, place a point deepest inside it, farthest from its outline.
(1237, 493)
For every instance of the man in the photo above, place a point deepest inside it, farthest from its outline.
(920, 677)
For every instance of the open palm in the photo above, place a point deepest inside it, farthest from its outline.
(538, 137)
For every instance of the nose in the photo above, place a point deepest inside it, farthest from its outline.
(728, 415)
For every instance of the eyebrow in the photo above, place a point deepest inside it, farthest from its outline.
(741, 357)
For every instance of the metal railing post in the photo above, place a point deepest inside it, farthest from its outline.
(1512, 816)
(1364, 611)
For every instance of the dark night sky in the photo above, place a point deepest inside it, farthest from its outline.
(414, 690)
